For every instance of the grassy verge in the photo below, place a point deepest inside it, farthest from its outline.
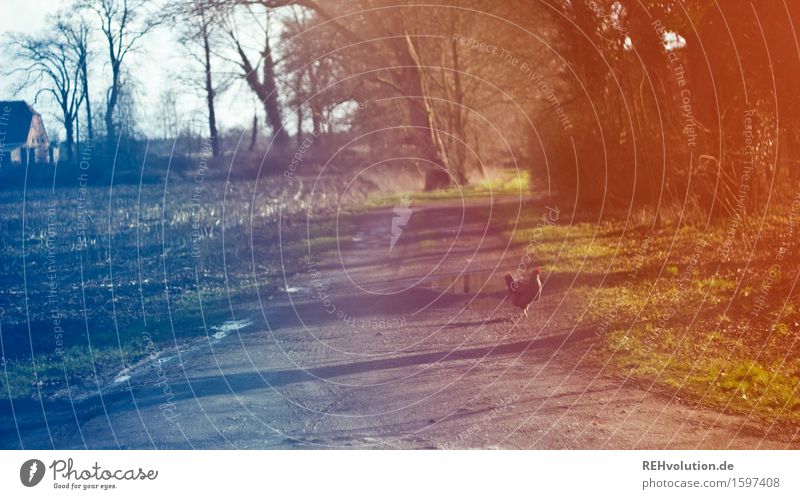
(693, 310)
(501, 183)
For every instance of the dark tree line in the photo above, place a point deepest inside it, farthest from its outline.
(690, 101)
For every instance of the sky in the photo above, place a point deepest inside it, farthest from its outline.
(157, 65)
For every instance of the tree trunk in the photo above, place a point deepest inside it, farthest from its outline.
(270, 95)
(111, 104)
(299, 130)
(460, 141)
(77, 133)
(421, 120)
(254, 135)
(316, 119)
(212, 117)
(69, 130)
(85, 85)
(313, 103)
(266, 90)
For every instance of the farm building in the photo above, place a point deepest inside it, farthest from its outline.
(23, 139)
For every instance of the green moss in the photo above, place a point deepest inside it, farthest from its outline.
(502, 183)
(708, 367)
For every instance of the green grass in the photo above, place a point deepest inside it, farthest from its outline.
(430, 243)
(687, 320)
(82, 369)
(502, 183)
(708, 367)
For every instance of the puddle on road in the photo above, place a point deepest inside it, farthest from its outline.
(229, 326)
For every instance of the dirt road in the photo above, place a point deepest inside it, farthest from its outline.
(381, 346)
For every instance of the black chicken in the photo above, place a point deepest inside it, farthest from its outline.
(524, 291)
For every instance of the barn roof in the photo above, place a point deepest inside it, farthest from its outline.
(15, 121)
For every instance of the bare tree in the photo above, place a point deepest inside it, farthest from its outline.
(169, 122)
(259, 73)
(397, 64)
(49, 63)
(204, 33)
(199, 18)
(123, 24)
(77, 34)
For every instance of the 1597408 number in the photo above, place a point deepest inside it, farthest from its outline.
(758, 482)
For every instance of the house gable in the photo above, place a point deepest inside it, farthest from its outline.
(15, 123)
(37, 136)
(23, 138)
